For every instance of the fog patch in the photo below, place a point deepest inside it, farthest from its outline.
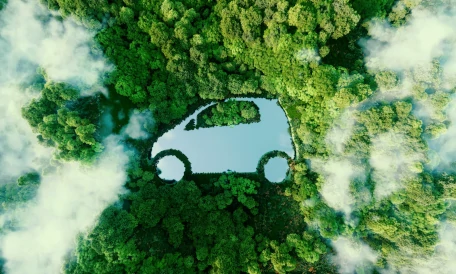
(68, 202)
(20, 151)
(429, 69)
(308, 56)
(140, 125)
(353, 257)
(71, 196)
(339, 170)
(394, 160)
(341, 131)
(442, 261)
(338, 175)
(419, 54)
(417, 61)
(424, 38)
(444, 145)
(427, 113)
(30, 36)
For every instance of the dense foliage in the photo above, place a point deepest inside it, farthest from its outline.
(169, 57)
(14, 194)
(173, 56)
(229, 113)
(192, 228)
(62, 120)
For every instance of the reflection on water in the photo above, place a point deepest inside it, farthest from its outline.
(276, 169)
(237, 148)
(171, 168)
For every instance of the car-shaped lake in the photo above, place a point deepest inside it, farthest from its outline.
(230, 148)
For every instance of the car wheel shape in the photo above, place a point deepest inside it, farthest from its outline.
(172, 165)
(269, 164)
(276, 169)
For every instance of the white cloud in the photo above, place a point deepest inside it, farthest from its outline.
(339, 170)
(444, 146)
(341, 131)
(308, 55)
(64, 49)
(338, 175)
(423, 38)
(442, 260)
(20, 151)
(71, 196)
(68, 202)
(394, 160)
(353, 256)
(422, 52)
(139, 125)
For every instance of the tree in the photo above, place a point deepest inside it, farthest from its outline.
(302, 17)
(32, 178)
(126, 15)
(57, 125)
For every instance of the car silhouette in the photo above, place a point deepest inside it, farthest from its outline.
(236, 148)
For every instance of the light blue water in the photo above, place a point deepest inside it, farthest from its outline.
(275, 169)
(171, 168)
(236, 148)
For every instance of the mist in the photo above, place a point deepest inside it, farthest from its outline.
(64, 49)
(338, 175)
(352, 256)
(414, 61)
(140, 125)
(71, 196)
(421, 54)
(340, 132)
(68, 202)
(339, 170)
(442, 261)
(394, 161)
(21, 152)
(425, 33)
(444, 146)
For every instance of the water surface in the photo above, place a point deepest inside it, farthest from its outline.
(171, 168)
(275, 169)
(236, 148)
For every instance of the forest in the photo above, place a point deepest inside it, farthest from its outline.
(373, 183)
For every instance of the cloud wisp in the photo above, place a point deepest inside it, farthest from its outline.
(352, 256)
(71, 196)
(394, 161)
(339, 170)
(62, 49)
(68, 202)
(338, 175)
(416, 60)
(65, 50)
(140, 125)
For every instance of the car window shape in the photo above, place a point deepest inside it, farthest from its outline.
(237, 148)
(198, 122)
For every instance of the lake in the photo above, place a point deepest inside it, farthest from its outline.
(236, 148)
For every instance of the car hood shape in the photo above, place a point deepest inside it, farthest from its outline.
(236, 148)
